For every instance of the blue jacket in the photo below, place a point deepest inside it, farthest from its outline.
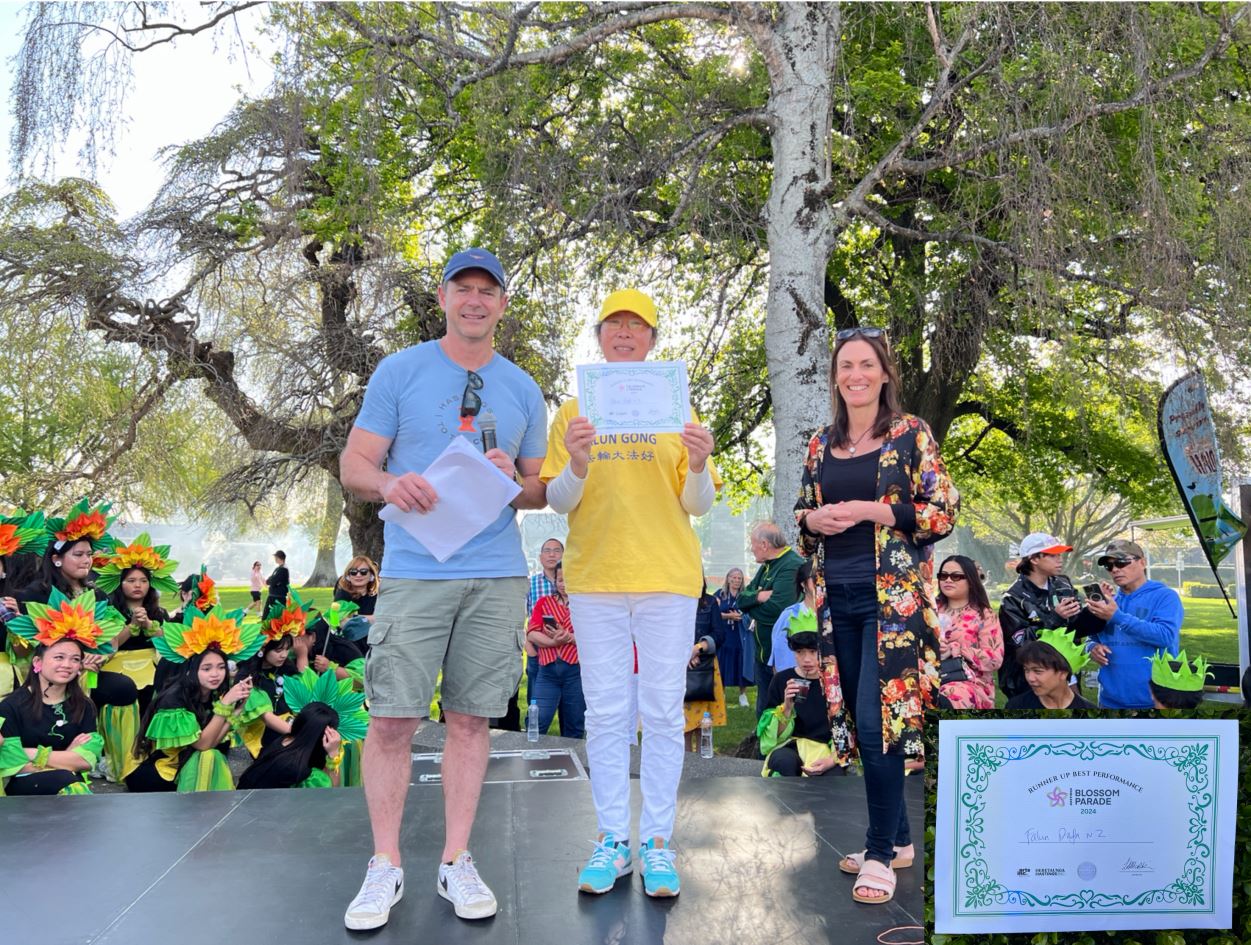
(1147, 620)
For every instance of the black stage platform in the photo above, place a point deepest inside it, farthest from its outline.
(758, 859)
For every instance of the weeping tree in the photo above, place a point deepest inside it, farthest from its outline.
(283, 283)
(1002, 186)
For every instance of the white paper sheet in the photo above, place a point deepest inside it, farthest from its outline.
(1068, 825)
(472, 492)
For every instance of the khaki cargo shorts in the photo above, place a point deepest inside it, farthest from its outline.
(473, 629)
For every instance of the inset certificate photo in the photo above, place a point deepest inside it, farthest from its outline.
(1083, 824)
(635, 397)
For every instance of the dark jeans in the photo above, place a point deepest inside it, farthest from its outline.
(853, 612)
(764, 676)
(559, 686)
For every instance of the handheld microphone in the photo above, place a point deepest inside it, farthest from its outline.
(486, 425)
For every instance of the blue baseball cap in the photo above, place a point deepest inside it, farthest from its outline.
(475, 258)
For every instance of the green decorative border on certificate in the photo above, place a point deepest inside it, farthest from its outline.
(1196, 758)
(679, 409)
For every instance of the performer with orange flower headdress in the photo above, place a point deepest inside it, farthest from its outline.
(77, 540)
(50, 717)
(133, 575)
(185, 729)
(23, 538)
(266, 716)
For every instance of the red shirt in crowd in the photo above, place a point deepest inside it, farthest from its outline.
(551, 606)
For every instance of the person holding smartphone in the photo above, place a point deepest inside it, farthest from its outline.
(1043, 598)
(559, 681)
(1140, 617)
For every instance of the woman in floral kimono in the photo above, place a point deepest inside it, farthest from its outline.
(874, 496)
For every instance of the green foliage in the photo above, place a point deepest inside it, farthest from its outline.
(1061, 441)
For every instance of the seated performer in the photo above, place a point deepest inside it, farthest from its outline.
(185, 727)
(50, 718)
(326, 715)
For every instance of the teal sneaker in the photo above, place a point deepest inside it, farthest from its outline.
(660, 876)
(609, 862)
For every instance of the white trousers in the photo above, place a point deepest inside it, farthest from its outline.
(607, 628)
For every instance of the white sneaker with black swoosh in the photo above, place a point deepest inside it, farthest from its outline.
(383, 888)
(460, 884)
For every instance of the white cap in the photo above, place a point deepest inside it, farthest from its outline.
(1042, 543)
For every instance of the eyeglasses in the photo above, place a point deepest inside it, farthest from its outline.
(1118, 563)
(864, 332)
(470, 402)
(952, 576)
(358, 572)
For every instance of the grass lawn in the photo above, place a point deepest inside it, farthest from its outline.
(1209, 630)
(238, 597)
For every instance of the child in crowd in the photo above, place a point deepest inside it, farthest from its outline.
(794, 728)
(1174, 684)
(1047, 663)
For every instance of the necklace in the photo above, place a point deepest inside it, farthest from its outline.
(851, 450)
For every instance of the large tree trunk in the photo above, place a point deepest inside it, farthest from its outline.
(799, 48)
(325, 572)
(364, 526)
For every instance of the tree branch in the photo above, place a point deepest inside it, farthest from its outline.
(1043, 132)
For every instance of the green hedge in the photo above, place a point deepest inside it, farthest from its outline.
(1199, 589)
(1240, 934)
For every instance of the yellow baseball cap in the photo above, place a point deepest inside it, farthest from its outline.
(630, 300)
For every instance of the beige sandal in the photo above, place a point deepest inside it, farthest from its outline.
(852, 862)
(874, 875)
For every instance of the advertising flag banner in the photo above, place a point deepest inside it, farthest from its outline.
(1188, 438)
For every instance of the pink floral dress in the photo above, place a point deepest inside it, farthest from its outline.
(977, 640)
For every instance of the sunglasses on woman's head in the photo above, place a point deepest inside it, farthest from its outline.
(952, 576)
(861, 332)
(357, 572)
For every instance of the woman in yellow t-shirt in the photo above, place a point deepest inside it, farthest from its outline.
(633, 571)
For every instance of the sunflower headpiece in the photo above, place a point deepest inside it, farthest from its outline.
(216, 629)
(84, 522)
(22, 533)
(289, 620)
(92, 623)
(206, 591)
(336, 693)
(140, 553)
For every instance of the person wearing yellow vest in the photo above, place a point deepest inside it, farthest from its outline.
(634, 575)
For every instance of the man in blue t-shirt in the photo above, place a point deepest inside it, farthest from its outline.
(1145, 616)
(464, 616)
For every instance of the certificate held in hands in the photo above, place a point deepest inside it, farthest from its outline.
(635, 396)
(1082, 824)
